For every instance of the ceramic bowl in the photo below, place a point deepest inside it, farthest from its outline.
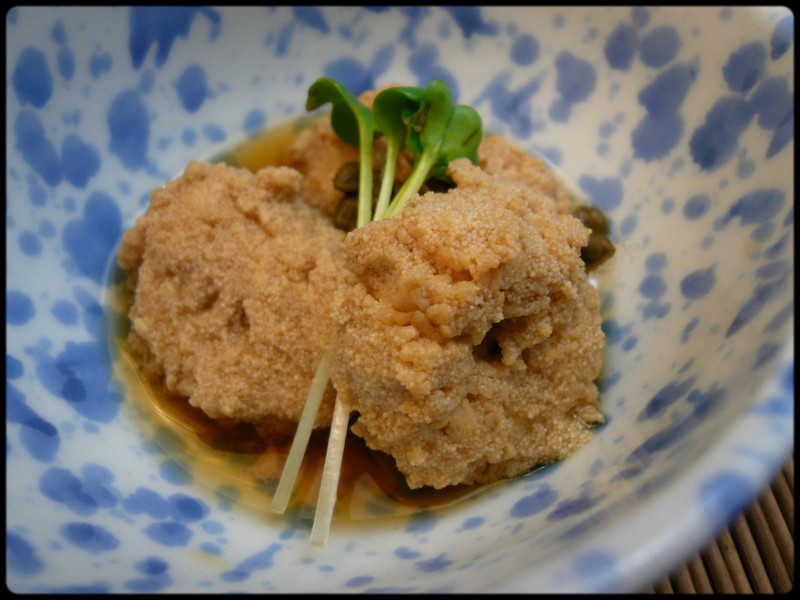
(677, 122)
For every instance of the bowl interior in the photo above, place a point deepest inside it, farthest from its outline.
(686, 144)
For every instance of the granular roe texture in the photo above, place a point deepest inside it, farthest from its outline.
(501, 159)
(468, 336)
(232, 276)
(317, 153)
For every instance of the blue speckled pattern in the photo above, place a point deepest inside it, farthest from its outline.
(679, 122)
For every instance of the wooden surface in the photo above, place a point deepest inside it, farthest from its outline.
(755, 555)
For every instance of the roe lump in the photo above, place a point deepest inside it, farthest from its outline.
(467, 333)
(232, 276)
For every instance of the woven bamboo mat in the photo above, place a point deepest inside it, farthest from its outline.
(755, 555)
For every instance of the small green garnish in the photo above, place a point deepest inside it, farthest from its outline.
(393, 109)
(438, 132)
(425, 122)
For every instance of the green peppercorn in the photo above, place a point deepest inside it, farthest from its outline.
(346, 213)
(591, 217)
(599, 249)
(346, 178)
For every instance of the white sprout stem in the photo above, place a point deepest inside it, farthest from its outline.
(300, 442)
(330, 475)
(364, 214)
(392, 150)
(413, 183)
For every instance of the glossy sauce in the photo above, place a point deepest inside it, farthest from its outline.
(241, 467)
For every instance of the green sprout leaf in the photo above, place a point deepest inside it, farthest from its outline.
(392, 110)
(438, 133)
(352, 122)
(462, 139)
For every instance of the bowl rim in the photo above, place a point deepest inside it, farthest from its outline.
(668, 544)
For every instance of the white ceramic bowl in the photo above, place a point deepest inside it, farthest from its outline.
(678, 122)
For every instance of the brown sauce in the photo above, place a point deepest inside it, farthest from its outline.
(243, 468)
